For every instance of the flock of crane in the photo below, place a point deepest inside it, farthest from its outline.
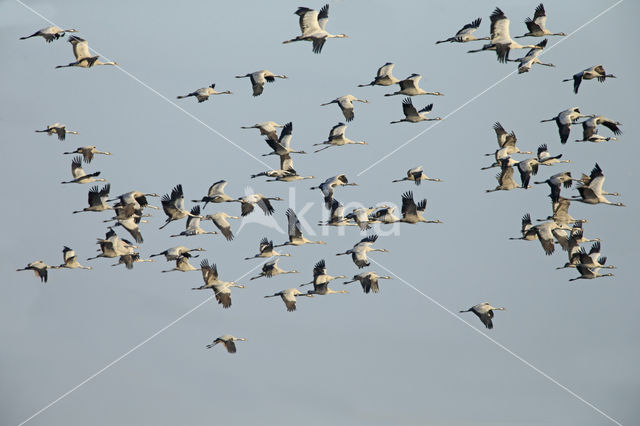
(129, 208)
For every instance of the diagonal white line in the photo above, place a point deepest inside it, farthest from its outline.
(500, 345)
(484, 91)
(142, 83)
(129, 352)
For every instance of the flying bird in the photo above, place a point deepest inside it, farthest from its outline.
(368, 281)
(258, 78)
(228, 341)
(39, 268)
(484, 311)
(596, 71)
(409, 87)
(59, 129)
(203, 93)
(87, 152)
(312, 27)
(79, 176)
(337, 138)
(465, 34)
(412, 115)
(383, 77)
(50, 33)
(360, 249)
(564, 120)
(531, 58)
(417, 175)
(296, 238)
(82, 54)
(346, 105)
(537, 25)
(288, 296)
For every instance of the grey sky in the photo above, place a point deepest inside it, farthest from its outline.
(390, 358)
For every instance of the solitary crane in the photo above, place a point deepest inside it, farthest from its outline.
(537, 25)
(216, 194)
(258, 78)
(312, 27)
(82, 54)
(465, 34)
(417, 175)
(383, 76)
(412, 212)
(368, 281)
(87, 152)
(296, 238)
(564, 120)
(173, 206)
(346, 105)
(227, 340)
(546, 159)
(248, 202)
(203, 93)
(71, 260)
(39, 268)
(271, 269)
(221, 222)
(531, 58)
(59, 129)
(412, 115)
(327, 187)
(221, 289)
(359, 251)
(596, 71)
(50, 33)
(484, 311)
(337, 138)
(501, 41)
(182, 264)
(97, 200)
(288, 296)
(266, 250)
(174, 253)
(193, 225)
(267, 128)
(592, 192)
(409, 87)
(590, 129)
(79, 176)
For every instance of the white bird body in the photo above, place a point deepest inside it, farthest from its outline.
(537, 25)
(484, 311)
(288, 296)
(203, 93)
(312, 27)
(87, 152)
(174, 253)
(79, 175)
(465, 34)
(417, 175)
(83, 55)
(267, 128)
(412, 115)
(359, 251)
(228, 341)
(346, 105)
(50, 33)
(39, 268)
(596, 71)
(59, 129)
(368, 281)
(564, 120)
(259, 78)
(383, 77)
(409, 87)
(337, 138)
(71, 260)
(501, 40)
(221, 222)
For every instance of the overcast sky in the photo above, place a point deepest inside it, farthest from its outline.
(396, 357)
